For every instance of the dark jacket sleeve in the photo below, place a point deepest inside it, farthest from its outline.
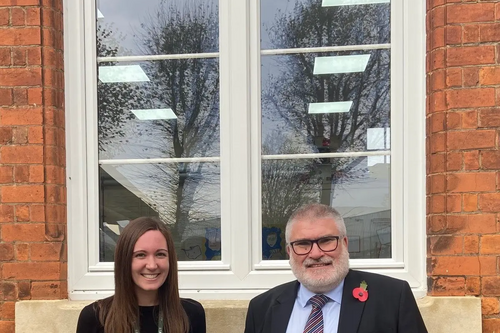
(196, 315)
(88, 321)
(410, 319)
(249, 322)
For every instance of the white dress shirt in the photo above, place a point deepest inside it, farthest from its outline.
(302, 310)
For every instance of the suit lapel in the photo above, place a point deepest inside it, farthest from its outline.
(282, 309)
(351, 309)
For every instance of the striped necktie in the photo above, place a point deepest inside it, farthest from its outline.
(315, 321)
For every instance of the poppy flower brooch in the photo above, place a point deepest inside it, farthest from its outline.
(360, 293)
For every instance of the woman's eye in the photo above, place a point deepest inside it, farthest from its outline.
(161, 254)
(139, 255)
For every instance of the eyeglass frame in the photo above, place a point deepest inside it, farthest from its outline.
(315, 241)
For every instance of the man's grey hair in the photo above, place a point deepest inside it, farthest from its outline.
(312, 212)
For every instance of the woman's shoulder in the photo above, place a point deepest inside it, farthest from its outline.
(88, 321)
(192, 306)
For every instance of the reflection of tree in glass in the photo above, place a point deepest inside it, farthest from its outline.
(190, 87)
(290, 92)
(114, 100)
(286, 184)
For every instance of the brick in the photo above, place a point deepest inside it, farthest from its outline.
(22, 251)
(7, 310)
(473, 223)
(467, 98)
(46, 251)
(22, 116)
(20, 36)
(437, 59)
(490, 159)
(20, 135)
(490, 244)
(18, 16)
(8, 291)
(470, 55)
(6, 252)
(453, 77)
(489, 202)
(22, 193)
(21, 173)
(471, 34)
(24, 288)
(489, 75)
(5, 135)
(46, 290)
(453, 203)
(437, 163)
(471, 182)
(469, 203)
(437, 204)
(22, 213)
(489, 32)
(490, 306)
(473, 285)
(453, 34)
(491, 286)
(19, 57)
(471, 160)
(489, 117)
(455, 265)
(36, 174)
(446, 245)
(465, 13)
(472, 139)
(34, 56)
(21, 154)
(37, 271)
(6, 174)
(33, 16)
(37, 213)
(454, 161)
(488, 265)
(471, 76)
(23, 232)
(12, 77)
(471, 244)
(4, 16)
(437, 183)
(7, 326)
(447, 286)
(6, 97)
(6, 213)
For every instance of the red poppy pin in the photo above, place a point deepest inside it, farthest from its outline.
(361, 293)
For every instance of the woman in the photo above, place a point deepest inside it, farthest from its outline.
(146, 298)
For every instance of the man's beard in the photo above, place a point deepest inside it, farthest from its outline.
(322, 280)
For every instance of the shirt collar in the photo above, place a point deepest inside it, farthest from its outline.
(305, 294)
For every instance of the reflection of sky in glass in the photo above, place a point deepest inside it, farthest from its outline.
(126, 17)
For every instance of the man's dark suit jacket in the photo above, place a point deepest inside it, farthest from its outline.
(390, 308)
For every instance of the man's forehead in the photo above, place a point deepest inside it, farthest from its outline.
(325, 225)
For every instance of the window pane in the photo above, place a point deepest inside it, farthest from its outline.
(131, 27)
(320, 109)
(184, 195)
(316, 23)
(358, 190)
(154, 109)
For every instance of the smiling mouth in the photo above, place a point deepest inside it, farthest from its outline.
(318, 265)
(150, 276)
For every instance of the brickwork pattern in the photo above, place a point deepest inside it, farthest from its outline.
(463, 156)
(32, 155)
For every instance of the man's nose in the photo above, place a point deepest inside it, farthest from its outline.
(316, 252)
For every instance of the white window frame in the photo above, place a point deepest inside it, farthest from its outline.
(242, 274)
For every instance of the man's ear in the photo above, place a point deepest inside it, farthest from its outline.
(288, 249)
(346, 242)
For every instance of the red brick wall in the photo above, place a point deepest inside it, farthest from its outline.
(32, 155)
(463, 156)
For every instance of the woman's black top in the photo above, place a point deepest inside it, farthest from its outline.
(88, 322)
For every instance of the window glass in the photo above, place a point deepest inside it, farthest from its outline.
(158, 120)
(318, 98)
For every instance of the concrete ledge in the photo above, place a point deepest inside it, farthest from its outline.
(441, 315)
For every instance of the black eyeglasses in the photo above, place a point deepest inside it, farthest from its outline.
(325, 244)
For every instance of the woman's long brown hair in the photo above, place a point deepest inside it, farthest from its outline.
(120, 313)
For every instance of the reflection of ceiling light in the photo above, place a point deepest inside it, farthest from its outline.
(329, 107)
(99, 14)
(154, 114)
(132, 73)
(340, 64)
(331, 3)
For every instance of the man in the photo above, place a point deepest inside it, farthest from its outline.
(328, 297)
